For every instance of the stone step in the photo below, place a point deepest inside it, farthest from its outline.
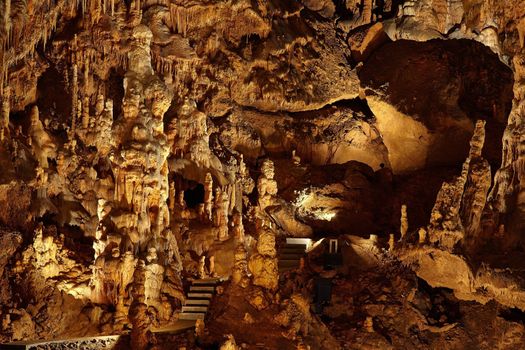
(192, 295)
(191, 316)
(194, 309)
(292, 245)
(298, 254)
(208, 289)
(197, 302)
(292, 249)
(299, 240)
(175, 328)
(206, 281)
(288, 263)
(291, 256)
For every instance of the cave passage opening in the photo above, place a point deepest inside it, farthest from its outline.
(194, 195)
(426, 98)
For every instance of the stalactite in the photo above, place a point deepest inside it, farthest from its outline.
(74, 92)
(5, 111)
(3, 73)
(76, 117)
(86, 75)
(44, 37)
(7, 19)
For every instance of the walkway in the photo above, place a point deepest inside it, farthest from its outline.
(291, 252)
(195, 307)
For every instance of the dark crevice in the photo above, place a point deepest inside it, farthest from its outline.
(513, 315)
(194, 195)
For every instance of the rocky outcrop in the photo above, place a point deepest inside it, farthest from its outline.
(133, 135)
(263, 264)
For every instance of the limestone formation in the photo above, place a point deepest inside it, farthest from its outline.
(240, 266)
(41, 143)
(208, 196)
(199, 328)
(202, 267)
(446, 225)
(153, 151)
(422, 235)
(263, 264)
(4, 121)
(221, 208)
(238, 228)
(138, 310)
(266, 185)
(295, 158)
(295, 316)
(369, 324)
(229, 344)
(391, 242)
(404, 221)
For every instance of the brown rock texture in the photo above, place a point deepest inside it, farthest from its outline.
(346, 174)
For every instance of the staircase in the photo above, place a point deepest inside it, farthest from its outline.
(195, 308)
(291, 253)
(198, 299)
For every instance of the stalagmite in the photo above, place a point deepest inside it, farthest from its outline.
(240, 266)
(238, 228)
(201, 271)
(42, 144)
(85, 113)
(266, 185)
(211, 270)
(369, 324)
(221, 208)
(477, 186)
(263, 264)
(295, 158)
(172, 198)
(170, 160)
(74, 120)
(465, 194)
(422, 235)
(199, 328)
(208, 196)
(404, 222)
(138, 310)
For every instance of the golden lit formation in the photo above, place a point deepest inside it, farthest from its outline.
(238, 174)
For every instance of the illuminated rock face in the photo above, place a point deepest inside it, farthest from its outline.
(447, 226)
(263, 264)
(139, 217)
(147, 144)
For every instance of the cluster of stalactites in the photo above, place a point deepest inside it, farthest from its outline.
(138, 220)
